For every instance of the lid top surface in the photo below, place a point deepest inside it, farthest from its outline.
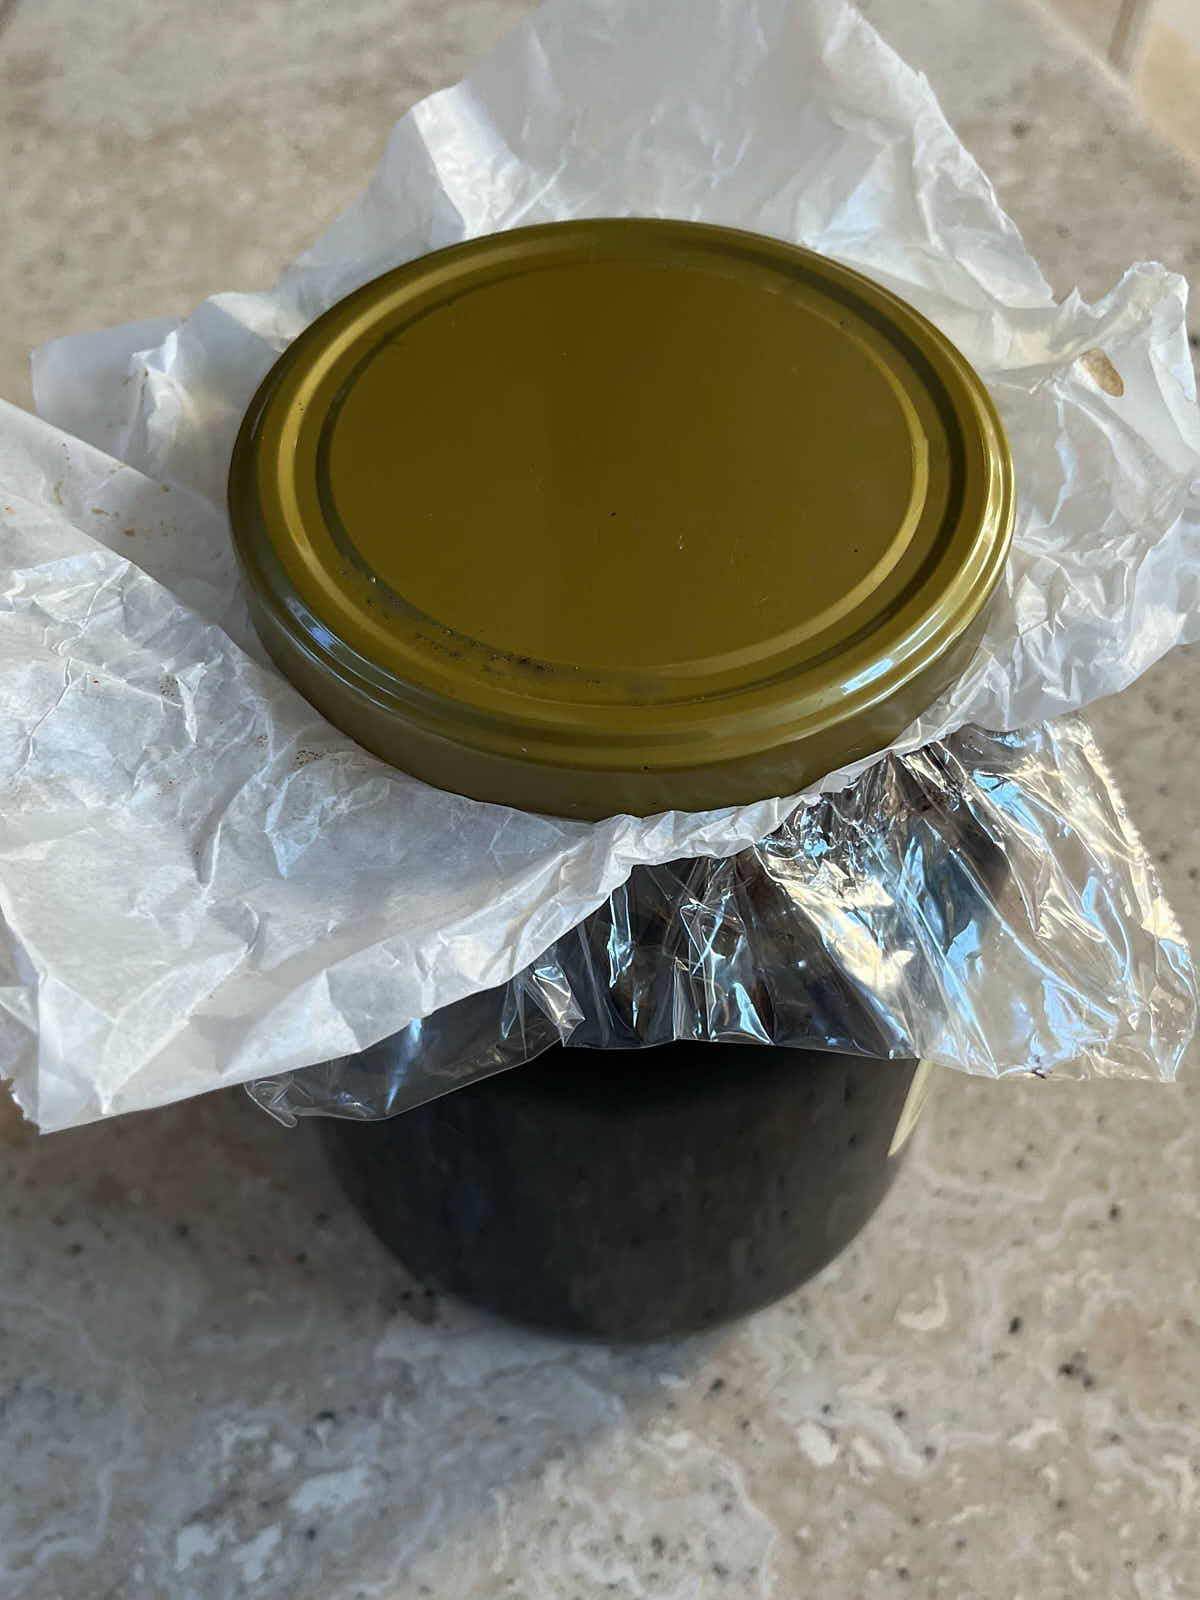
(633, 486)
(623, 464)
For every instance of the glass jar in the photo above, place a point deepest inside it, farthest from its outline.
(620, 516)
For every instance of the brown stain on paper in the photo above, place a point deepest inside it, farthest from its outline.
(1102, 372)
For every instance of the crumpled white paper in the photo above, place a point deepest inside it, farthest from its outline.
(202, 882)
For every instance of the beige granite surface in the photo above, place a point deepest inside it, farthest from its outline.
(1167, 75)
(1095, 21)
(213, 1383)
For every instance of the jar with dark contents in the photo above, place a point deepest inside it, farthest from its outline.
(627, 517)
(629, 1193)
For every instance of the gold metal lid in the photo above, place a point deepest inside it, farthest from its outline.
(621, 515)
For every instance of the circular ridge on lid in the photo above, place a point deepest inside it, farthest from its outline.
(621, 515)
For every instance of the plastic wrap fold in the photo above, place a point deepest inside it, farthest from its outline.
(981, 904)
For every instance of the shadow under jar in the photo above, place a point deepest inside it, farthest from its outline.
(612, 517)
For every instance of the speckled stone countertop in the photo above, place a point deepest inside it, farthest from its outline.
(213, 1383)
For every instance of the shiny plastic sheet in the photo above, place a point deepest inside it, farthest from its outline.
(201, 881)
(982, 904)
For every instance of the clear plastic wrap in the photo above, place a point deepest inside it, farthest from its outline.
(982, 903)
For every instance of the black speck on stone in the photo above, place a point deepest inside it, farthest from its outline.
(325, 1416)
(1114, 1211)
(182, 1229)
(899, 1413)
(1020, 128)
(658, 1544)
(826, 1410)
(1194, 340)
(502, 1418)
(59, 1222)
(929, 1451)
(75, 1249)
(300, 1258)
(253, 1260)
(716, 1386)
(1014, 1325)
(1077, 1367)
(310, 1533)
(720, 1570)
(903, 1573)
(960, 1543)
(1060, 1504)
